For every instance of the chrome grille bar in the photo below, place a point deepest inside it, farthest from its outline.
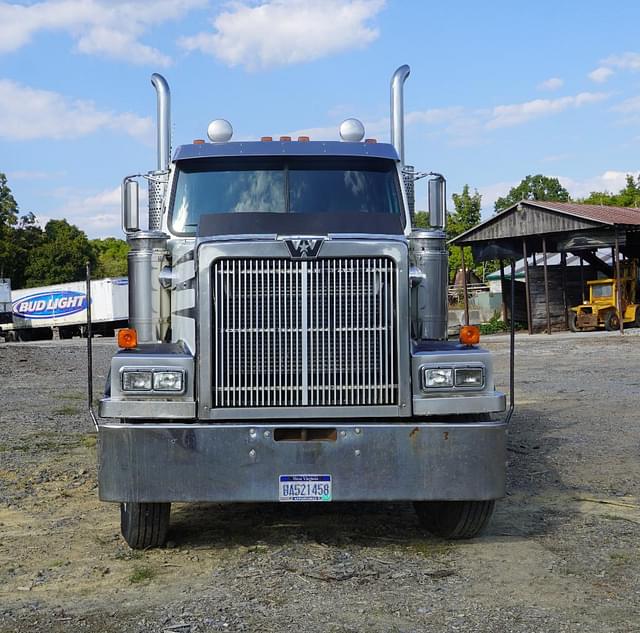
(304, 333)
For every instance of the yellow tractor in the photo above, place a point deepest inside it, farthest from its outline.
(602, 308)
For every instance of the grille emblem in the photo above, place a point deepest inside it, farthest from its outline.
(304, 249)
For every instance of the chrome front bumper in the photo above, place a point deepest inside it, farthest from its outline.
(239, 462)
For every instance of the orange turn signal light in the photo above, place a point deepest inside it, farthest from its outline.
(127, 338)
(469, 335)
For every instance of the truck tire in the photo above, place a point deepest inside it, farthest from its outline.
(611, 321)
(454, 519)
(573, 322)
(144, 525)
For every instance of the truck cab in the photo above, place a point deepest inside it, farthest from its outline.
(288, 339)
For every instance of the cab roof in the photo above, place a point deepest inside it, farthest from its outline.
(285, 148)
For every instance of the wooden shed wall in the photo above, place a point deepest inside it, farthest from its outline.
(556, 301)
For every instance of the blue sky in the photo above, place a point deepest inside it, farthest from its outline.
(498, 89)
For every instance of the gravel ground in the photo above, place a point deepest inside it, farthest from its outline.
(561, 554)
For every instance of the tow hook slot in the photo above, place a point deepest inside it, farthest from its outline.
(289, 434)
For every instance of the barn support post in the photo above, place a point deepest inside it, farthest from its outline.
(582, 277)
(504, 294)
(526, 286)
(619, 293)
(464, 288)
(565, 303)
(546, 284)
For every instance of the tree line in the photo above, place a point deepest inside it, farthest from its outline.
(58, 253)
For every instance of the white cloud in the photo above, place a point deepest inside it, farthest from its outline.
(99, 27)
(553, 83)
(282, 32)
(609, 180)
(626, 61)
(29, 113)
(434, 116)
(515, 114)
(601, 74)
(96, 213)
(628, 106)
(490, 193)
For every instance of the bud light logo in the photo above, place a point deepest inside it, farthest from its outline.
(45, 305)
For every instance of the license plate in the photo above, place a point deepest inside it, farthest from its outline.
(305, 487)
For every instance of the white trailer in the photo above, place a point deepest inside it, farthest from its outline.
(37, 312)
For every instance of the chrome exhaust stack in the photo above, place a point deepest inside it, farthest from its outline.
(158, 179)
(397, 109)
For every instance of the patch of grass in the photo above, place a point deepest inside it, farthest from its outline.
(67, 409)
(90, 441)
(142, 574)
(73, 395)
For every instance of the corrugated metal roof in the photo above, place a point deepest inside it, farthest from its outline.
(598, 213)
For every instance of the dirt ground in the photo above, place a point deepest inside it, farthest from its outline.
(561, 554)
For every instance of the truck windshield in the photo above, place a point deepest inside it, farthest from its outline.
(282, 185)
(602, 291)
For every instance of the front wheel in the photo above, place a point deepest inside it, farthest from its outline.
(454, 519)
(144, 525)
(612, 322)
(573, 322)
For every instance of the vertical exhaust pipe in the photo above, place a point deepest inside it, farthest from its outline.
(163, 120)
(397, 109)
(157, 181)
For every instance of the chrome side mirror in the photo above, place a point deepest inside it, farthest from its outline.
(130, 206)
(437, 193)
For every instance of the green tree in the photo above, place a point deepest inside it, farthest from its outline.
(466, 215)
(61, 256)
(8, 218)
(27, 236)
(628, 196)
(111, 255)
(421, 219)
(536, 187)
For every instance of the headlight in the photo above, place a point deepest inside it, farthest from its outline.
(137, 380)
(167, 381)
(470, 377)
(441, 377)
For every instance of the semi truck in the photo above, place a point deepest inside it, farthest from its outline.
(287, 337)
(35, 313)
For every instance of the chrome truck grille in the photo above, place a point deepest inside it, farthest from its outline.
(291, 333)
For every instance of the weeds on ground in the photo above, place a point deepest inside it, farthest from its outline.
(142, 574)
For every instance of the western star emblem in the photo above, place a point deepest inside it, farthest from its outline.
(304, 249)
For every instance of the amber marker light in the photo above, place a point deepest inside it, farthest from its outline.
(127, 338)
(469, 335)
(285, 139)
(198, 141)
(303, 139)
(266, 139)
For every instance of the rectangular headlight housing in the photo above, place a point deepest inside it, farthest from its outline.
(137, 380)
(435, 377)
(472, 377)
(168, 381)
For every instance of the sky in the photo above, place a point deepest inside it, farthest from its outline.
(498, 89)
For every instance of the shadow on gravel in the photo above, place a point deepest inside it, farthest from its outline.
(273, 524)
(531, 477)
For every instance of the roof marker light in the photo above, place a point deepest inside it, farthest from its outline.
(303, 139)
(220, 131)
(198, 141)
(285, 138)
(351, 130)
(370, 141)
(266, 139)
